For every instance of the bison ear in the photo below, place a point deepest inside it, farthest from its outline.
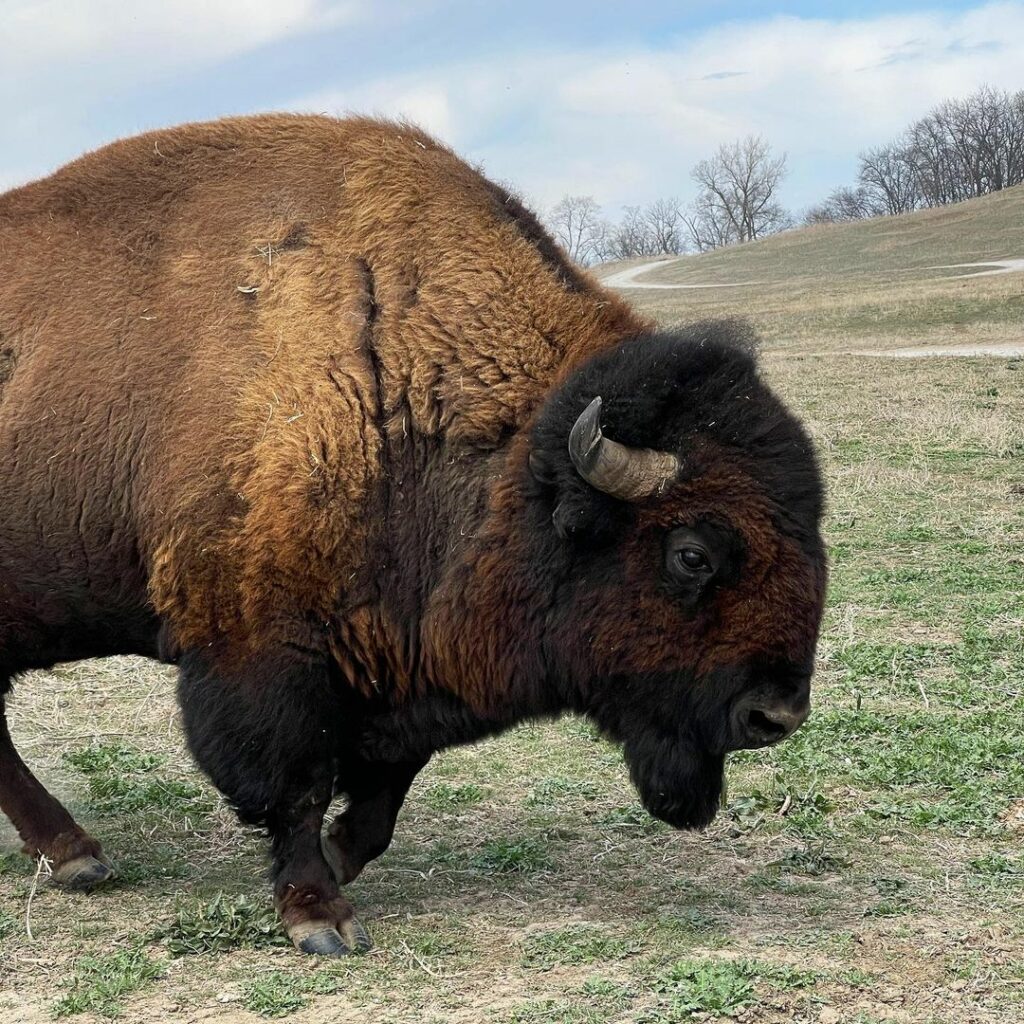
(543, 468)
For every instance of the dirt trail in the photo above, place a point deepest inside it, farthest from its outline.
(1001, 267)
(628, 278)
(1006, 349)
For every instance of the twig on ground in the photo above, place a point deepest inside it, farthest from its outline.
(418, 960)
(42, 864)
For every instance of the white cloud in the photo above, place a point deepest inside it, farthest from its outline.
(59, 57)
(627, 125)
(431, 107)
(624, 122)
(150, 34)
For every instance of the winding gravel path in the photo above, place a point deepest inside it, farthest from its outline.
(1005, 349)
(628, 278)
(1013, 350)
(1001, 267)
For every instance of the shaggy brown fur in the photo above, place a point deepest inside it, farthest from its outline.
(268, 392)
(285, 291)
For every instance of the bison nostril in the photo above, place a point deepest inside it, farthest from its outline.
(764, 728)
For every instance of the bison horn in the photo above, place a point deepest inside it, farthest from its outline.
(627, 473)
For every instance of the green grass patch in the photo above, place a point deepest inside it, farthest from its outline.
(113, 759)
(997, 865)
(445, 796)
(721, 988)
(574, 944)
(100, 983)
(513, 856)
(275, 995)
(15, 864)
(634, 820)
(897, 899)
(810, 860)
(554, 1011)
(122, 780)
(717, 988)
(554, 789)
(223, 923)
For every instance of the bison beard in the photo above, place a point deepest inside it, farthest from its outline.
(674, 745)
(410, 481)
(678, 781)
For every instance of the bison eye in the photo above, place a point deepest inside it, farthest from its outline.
(693, 559)
(699, 558)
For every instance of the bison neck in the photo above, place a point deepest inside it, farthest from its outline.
(445, 631)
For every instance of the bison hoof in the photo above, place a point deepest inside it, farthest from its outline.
(323, 942)
(355, 936)
(313, 937)
(83, 873)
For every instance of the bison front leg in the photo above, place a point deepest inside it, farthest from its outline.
(363, 831)
(317, 918)
(267, 735)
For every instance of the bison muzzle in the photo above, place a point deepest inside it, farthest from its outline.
(313, 410)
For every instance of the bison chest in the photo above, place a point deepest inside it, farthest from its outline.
(422, 726)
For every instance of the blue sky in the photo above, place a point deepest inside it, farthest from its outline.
(615, 100)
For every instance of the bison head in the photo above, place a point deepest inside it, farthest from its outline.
(673, 508)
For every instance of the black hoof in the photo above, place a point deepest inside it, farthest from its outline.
(356, 937)
(323, 942)
(83, 873)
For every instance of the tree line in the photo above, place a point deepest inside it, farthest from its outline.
(961, 149)
(735, 202)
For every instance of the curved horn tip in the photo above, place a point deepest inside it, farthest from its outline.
(585, 436)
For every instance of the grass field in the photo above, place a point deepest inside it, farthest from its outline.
(871, 869)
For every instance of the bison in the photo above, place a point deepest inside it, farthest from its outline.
(315, 411)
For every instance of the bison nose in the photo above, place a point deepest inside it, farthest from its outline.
(761, 725)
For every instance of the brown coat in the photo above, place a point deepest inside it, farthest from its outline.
(237, 316)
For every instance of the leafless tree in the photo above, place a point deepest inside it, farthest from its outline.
(961, 149)
(631, 237)
(889, 180)
(736, 199)
(576, 223)
(707, 230)
(1015, 138)
(664, 219)
(967, 147)
(934, 163)
(842, 204)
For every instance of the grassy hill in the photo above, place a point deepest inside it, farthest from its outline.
(874, 283)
